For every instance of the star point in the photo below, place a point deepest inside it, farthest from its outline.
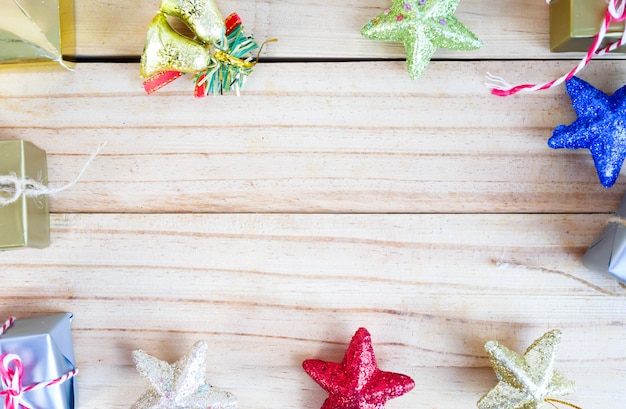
(181, 385)
(600, 127)
(357, 382)
(422, 26)
(527, 381)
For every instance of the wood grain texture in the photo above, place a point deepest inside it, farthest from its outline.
(308, 29)
(333, 193)
(267, 291)
(349, 137)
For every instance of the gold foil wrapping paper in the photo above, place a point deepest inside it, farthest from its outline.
(26, 222)
(36, 32)
(575, 23)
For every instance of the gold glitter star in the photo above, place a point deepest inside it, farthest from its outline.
(181, 385)
(526, 382)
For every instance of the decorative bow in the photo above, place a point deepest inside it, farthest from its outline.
(218, 57)
(11, 372)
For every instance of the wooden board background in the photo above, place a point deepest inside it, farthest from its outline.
(333, 193)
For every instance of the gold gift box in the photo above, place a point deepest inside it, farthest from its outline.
(575, 23)
(36, 32)
(26, 222)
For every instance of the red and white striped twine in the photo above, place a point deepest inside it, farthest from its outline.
(11, 372)
(615, 12)
(6, 325)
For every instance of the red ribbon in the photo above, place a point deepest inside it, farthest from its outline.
(160, 80)
(232, 22)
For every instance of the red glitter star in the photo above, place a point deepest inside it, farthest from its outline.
(357, 383)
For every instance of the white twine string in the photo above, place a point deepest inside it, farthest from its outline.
(12, 187)
(616, 220)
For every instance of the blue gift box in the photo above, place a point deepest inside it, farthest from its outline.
(43, 345)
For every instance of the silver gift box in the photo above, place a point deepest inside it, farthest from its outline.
(44, 345)
(608, 253)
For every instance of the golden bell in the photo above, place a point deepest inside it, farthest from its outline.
(166, 50)
(202, 17)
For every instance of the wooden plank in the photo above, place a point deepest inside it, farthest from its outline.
(314, 30)
(304, 138)
(477, 259)
(267, 291)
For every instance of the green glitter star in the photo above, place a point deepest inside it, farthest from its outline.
(423, 26)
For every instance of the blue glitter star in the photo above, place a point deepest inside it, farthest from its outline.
(600, 127)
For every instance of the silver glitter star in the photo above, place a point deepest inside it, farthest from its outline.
(181, 385)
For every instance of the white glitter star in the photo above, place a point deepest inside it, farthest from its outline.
(181, 385)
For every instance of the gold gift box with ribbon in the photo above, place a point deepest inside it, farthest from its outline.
(26, 221)
(575, 23)
(36, 32)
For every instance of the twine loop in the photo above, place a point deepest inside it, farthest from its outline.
(11, 373)
(616, 9)
(13, 187)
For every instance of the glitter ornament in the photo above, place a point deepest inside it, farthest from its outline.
(202, 16)
(181, 385)
(600, 127)
(166, 50)
(423, 26)
(526, 382)
(218, 56)
(357, 383)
